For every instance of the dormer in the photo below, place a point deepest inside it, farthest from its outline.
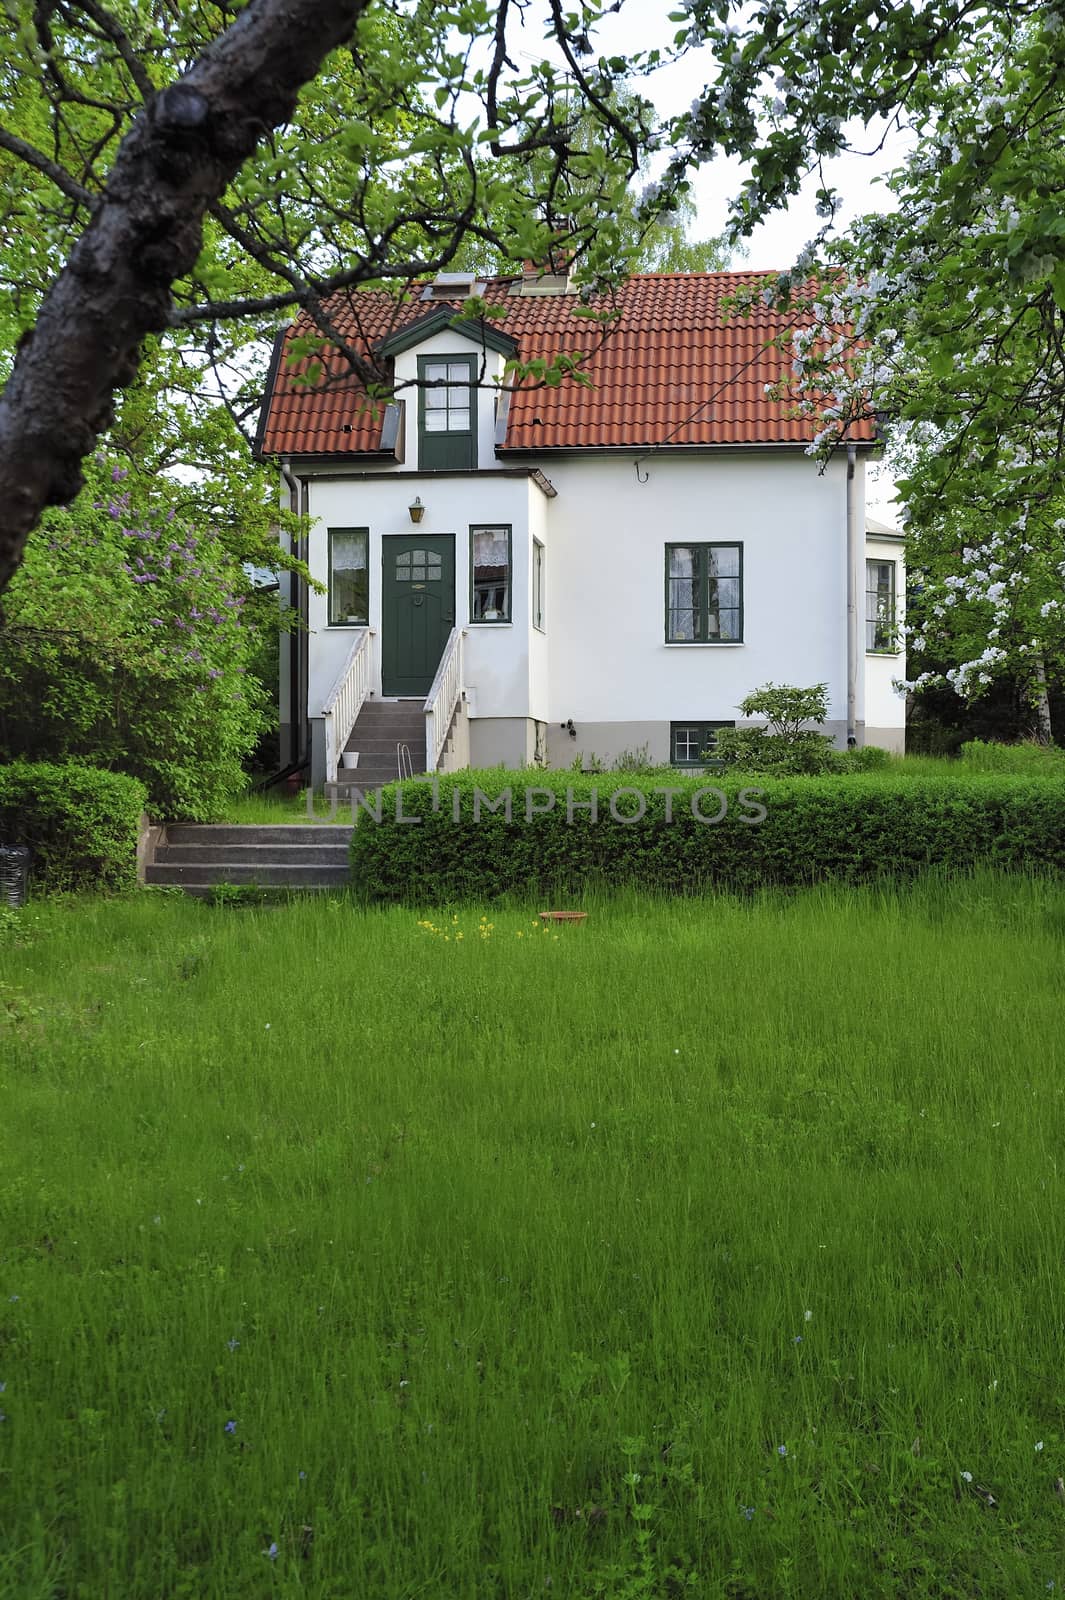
(455, 362)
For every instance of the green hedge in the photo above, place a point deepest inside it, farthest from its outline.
(850, 829)
(80, 823)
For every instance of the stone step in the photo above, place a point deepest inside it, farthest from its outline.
(219, 833)
(207, 891)
(361, 777)
(250, 855)
(368, 744)
(267, 874)
(388, 732)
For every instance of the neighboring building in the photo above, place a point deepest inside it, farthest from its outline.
(570, 571)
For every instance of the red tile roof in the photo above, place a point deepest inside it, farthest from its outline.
(675, 369)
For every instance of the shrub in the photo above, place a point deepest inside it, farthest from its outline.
(786, 708)
(126, 643)
(754, 750)
(814, 829)
(80, 823)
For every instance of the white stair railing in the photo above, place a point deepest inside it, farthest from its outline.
(345, 700)
(443, 697)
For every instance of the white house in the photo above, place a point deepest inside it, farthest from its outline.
(556, 572)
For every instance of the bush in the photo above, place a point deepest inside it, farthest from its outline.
(814, 829)
(754, 750)
(80, 823)
(126, 643)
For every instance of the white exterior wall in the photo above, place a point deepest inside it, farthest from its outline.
(497, 654)
(540, 520)
(885, 706)
(609, 660)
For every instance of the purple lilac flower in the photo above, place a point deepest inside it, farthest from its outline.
(118, 473)
(215, 616)
(231, 1426)
(194, 655)
(214, 673)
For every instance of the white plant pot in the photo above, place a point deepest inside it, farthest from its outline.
(349, 758)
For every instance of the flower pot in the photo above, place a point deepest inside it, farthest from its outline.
(349, 758)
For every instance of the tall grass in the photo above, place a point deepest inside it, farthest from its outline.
(704, 1248)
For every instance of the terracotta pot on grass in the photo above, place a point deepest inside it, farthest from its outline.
(563, 916)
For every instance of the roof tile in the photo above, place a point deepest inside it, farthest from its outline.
(674, 369)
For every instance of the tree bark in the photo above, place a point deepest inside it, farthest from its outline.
(1041, 702)
(177, 159)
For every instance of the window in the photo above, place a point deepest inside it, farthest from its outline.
(691, 744)
(880, 606)
(447, 412)
(704, 593)
(418, 566)
(490, 574)
(538, 586)
(349, 577)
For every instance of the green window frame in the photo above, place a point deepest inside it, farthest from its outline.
(491, 580)
(447, 412)
(704, 593)
(538, 573)
(689, 740)
(880, 631)
(349, 577)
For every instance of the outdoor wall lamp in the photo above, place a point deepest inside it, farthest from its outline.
(416, 509)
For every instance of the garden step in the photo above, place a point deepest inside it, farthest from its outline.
(370, 744)
(265, 873)
(216, 833)
(295, 855)
(369, 777)
(207, 891)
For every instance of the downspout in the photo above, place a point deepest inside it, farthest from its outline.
(297, 640)
(852, 604)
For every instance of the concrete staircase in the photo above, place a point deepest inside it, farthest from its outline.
(198, 856)
(381, 726)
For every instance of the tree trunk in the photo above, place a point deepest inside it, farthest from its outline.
(178, 158)
(1041, 702)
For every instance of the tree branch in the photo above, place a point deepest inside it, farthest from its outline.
(179, 157)
(51, 169)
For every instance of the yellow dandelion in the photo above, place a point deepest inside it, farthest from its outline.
(520, 934)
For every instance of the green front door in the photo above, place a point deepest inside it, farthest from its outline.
(418, 610)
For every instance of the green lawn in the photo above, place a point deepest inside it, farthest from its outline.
(708, 1248)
